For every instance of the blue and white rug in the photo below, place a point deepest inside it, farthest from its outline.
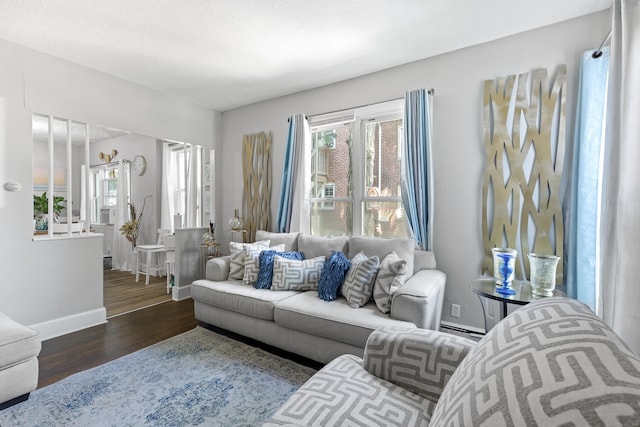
(196, 378)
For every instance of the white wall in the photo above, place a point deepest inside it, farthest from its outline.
(128, 146)
(56, 286)
(458, 151)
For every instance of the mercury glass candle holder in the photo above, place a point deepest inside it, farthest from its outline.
(543, 273)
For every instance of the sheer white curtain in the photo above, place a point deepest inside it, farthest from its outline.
(121, 247)
(620, 245)
(168, 203)
(191, 190)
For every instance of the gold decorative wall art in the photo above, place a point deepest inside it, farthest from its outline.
(524, 136)
(256, 171)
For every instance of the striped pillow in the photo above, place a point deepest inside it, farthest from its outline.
(358, 283)
(294, 275)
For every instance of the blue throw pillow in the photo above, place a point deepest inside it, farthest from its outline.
(265, 275)
(332, 276)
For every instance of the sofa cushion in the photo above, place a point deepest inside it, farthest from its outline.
(332, 276)
(265, 276)
(358, 282)
(344, 394)
(335, 320)
(313, 246)
(404, 247)
(18, 343)
(236, 259)
(296, 275)
(552, 362)
(252, 261)
(234, 296)
(391, 275)
(290, 240)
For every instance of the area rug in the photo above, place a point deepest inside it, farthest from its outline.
(196, 378)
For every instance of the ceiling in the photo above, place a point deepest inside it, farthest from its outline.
(227, 53)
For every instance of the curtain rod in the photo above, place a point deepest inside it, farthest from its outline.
(430, 92)
(598, 52)
(115, 162)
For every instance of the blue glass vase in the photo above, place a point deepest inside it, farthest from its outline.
(505, 272)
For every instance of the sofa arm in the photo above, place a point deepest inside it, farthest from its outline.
(218, 268)
(418, 360)
(420, 299)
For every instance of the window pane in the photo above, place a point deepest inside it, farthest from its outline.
(336, 221)
(382, 163)
(384, 219)
(331, 162)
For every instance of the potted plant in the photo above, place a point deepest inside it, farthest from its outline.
(41, 208)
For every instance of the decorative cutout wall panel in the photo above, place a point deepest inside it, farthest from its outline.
(256, 171)
(524, 134)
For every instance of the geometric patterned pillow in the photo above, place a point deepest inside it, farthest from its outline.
(252, 262)
(358, 283)
(551, 362)
(265, 276)
(417, 359)
(236, 260)
(392, 275)
(295, 275)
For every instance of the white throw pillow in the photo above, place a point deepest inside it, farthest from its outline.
(391, 275)
(252, 262)
(295, 275)
(236, 260)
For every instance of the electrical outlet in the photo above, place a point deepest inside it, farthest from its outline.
(455, 310)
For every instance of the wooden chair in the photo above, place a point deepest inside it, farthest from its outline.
(154, 263)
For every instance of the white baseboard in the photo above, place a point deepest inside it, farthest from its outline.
(75, 322)
(462, 328)
(178, 293)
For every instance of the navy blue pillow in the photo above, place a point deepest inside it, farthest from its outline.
(265, 274)
(332, 276)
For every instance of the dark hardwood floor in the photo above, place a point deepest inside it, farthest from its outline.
(121, 335)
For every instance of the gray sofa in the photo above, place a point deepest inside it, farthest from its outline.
(550, 363)
(300, 322)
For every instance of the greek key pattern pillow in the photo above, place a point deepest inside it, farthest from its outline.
(358, 284)
(294, 275)
(392, 275)
(342, 394)
(265, 276)
(236, 260)
(419, 360)
(252, 262)
(552, 362)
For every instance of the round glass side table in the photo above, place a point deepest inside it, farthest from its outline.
(486, 287)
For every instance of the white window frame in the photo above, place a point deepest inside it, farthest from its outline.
(389, 110)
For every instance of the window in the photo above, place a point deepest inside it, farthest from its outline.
(355, 172)
(327, 191)
(182, 178)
